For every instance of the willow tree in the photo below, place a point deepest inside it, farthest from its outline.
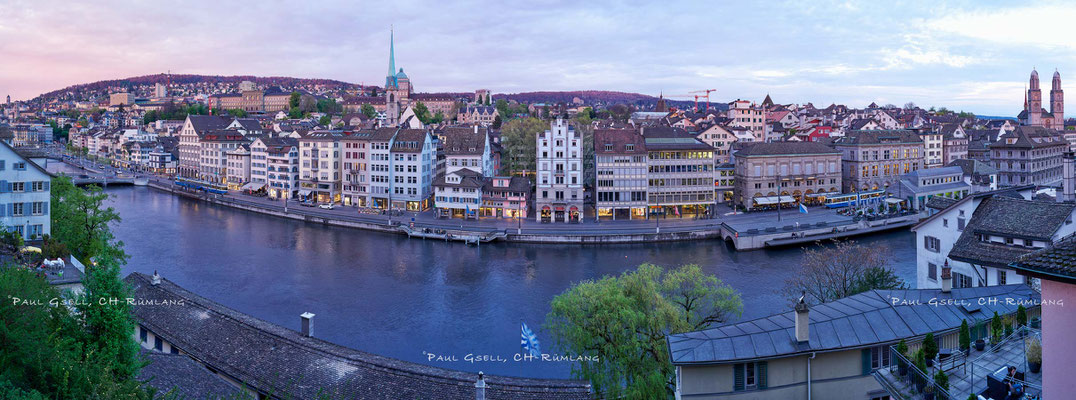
(618, 325)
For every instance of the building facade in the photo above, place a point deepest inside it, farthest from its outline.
(771, 174)
(620, 160)
(559, 158)
(319, 166)
(25, 194)
(680, 173)
(1029, 155)
(876, 159)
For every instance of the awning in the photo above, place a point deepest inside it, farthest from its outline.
(762, 201)
(894, 200)
(253, 186)
(304, 192)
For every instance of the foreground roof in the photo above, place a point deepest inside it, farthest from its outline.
(272, 359)
(1056, 263)
(185, 377)
(862, 320)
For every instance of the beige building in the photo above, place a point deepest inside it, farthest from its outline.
(215, 146)
(116, 99)
(319, 166)
(768, 174)
(745, 114)
(269, 101)
(238, 167)
(876, 159)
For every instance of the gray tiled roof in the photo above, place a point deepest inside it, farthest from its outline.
(184, 376)
(272, 359)
(1008, 217)
(785, 148)
(866, 319)
(874, 137)
(1057, 262)
(1030, 137)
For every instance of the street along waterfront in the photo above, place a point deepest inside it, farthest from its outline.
(412, 299)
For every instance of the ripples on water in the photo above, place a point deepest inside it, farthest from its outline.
(399, 297)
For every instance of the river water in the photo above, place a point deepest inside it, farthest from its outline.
(409, 298)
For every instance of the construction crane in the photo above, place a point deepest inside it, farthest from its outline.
(707, 96)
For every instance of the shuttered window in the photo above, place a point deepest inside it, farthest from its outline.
(750, 376)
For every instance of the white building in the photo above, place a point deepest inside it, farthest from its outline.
(980, 235)
(319, 166)
(468, 147)
(559, 159)
(274, 165)
(414, 159)
(24, 195)
(238, 174)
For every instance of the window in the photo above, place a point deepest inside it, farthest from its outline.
(880, 357)
(750, 379)
(945, 222)
(158, 343)
(18, 186)
(931, 243)
(960, 223)
(38, 186)
(142, 334)
(932, 271)
(1002, 277)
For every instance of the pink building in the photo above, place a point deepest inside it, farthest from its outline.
(1056, 267)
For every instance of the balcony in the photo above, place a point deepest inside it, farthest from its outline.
(977, 373)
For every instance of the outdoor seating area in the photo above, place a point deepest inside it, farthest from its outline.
(982, 373)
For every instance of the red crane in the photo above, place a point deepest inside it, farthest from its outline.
(707, 96)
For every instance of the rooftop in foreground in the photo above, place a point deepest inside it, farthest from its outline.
(272, 359)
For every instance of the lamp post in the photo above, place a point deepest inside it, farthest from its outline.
(519, 217)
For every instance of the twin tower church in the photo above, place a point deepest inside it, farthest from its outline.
(1034, 114)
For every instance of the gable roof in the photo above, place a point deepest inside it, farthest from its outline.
(459, 140)
(267, 357)
(871, 137)
(785, 148)
(204, 123)
(866, 319)
(1056, 262)
(180, 373)
(1008, 217)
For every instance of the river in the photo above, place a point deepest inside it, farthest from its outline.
(409, 298)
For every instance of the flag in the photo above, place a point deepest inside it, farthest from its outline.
(803, 208)
(677, 210)
(530, 341)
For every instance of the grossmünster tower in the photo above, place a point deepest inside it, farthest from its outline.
(1034, 114)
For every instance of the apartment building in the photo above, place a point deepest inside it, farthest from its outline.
(319, 166)
(356, 161)
(215, 144)
(413, 158)
(620, 159)
(238, 161)
(745, 114)
(467, 147)
(24, 195)
(559, 159)
(1029, 155)
(876, 159)
(785, 173)
(933, 148)
(190, 147)
(680, 173)
(274, 165)
(380, 167)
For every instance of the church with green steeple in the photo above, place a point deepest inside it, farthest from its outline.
(397, 87)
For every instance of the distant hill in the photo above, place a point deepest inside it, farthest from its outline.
(187, 79)
(588, 97)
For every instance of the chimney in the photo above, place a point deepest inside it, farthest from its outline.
(480, 387)
(803, 330)
(308, 324)
(947, 278)
(156, 279)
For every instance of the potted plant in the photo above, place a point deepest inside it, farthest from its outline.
(920, 377)
(1036, 323)
(902, 349)
(1034, 355)
(1008, 330)
(930, 349)
(965, 337)
(973, 396)
(995, 329)
(1021, 316)
(941, 380)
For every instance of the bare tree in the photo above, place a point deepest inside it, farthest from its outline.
(909, 106)
(829, 273)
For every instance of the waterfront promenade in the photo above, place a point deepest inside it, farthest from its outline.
(744, 231)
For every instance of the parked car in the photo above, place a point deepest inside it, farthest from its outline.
(327, 206)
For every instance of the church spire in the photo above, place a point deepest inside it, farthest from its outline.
(390, 79)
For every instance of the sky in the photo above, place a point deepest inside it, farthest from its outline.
(964, 55)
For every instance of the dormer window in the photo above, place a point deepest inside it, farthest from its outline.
(629, 147)
(608, 147)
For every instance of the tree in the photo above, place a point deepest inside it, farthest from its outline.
(81, 220)
(437, 118)
(965, 335)
(369, 111)
(930, 346)
(293, 101)
(238, 113)
(502, 107)
(829, 273)
(909, 106)
(996, 327)
(519, 144)
(1021, 315)
(623, 322)
(328, 106)
(621, 112)
(421, 112)
(325, 120)
(307, 104)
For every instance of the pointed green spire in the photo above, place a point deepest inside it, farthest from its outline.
(390, 79)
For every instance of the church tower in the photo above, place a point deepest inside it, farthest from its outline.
(1034, 101)
(392, 86)
(1057, 102)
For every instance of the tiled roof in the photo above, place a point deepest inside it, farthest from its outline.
(409, 141)
(272, 359)
(516, 184)
(616, 141)
(940, 202)
(179, 373)
(873, 137)
(1008, 217)
(785, 148)
(670, 138)
(1057, 262)
(861, 320)
(468, 179)
(204, 123)
(463, 140)
(1030, 137)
